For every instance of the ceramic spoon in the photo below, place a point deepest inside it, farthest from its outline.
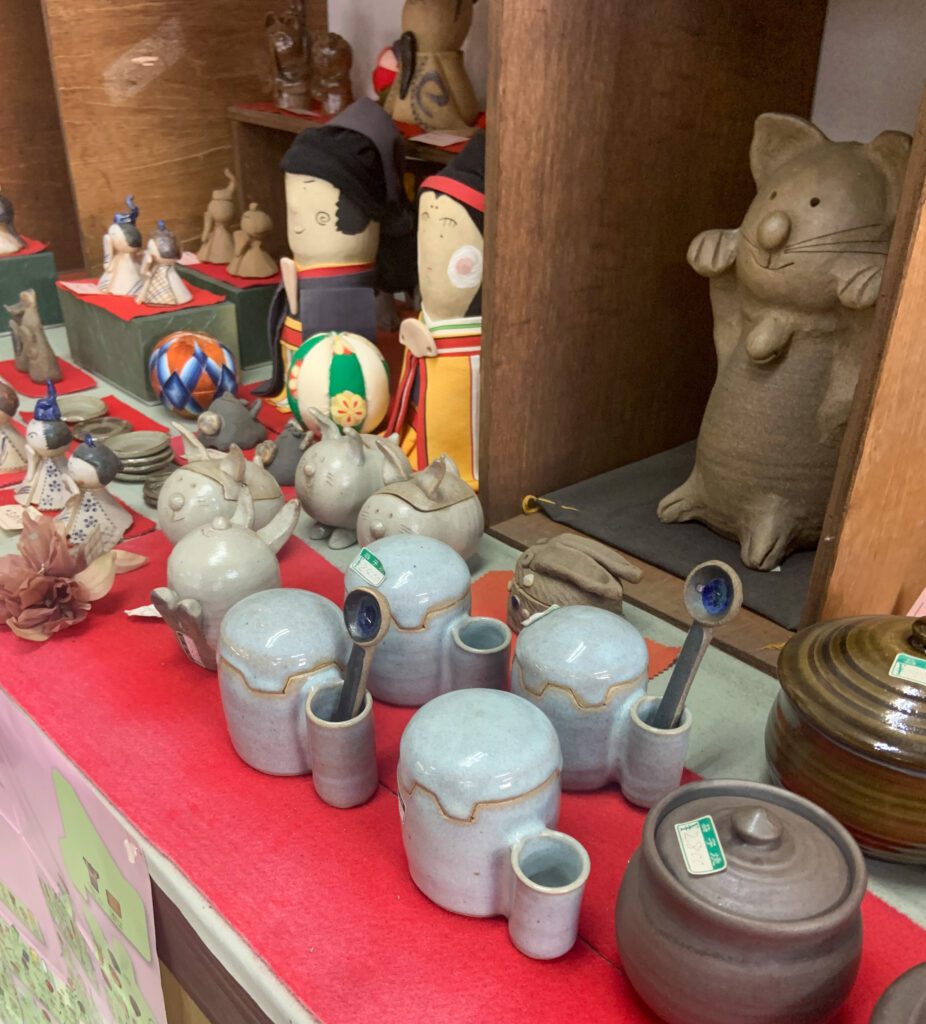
(713, 596)
(367, 617)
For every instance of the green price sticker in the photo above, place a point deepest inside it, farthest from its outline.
(368, 567)
(701, 847)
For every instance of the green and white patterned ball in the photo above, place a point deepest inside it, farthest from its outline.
(343, 375)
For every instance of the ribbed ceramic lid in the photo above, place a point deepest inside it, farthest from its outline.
(276, 634)
(586, 649)
(781, 865)
(905, 1001)
(422, 574)
(469, 747)
(838, 675)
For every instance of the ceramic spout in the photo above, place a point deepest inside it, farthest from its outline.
(477, 654)
(344, 768)
(653, 759)
(548, 875)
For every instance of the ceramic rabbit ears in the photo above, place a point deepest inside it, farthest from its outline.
(593, 567)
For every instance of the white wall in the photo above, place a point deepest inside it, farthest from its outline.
(872, 68)
(370, 25)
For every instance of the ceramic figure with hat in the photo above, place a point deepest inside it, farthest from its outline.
(250, 259)
(12, 445)
(10, 240)
(91, 467)
(161, 285)
(47, 439)
(218, 245)
(350, 230)
(436, 405)
(121, 247)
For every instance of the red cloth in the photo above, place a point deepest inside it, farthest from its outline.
(31, 247)
(323, 895)
(73, 379)
(126, 308)
(271, 417)
(219, 272)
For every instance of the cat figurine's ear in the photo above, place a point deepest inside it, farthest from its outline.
(889, 153)
(778, 138)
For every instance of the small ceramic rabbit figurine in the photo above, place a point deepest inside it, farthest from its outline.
(161, 285)
(793, 292)
(10, 241)
(230, 420)
(91, 467)
(331, 63)
(218, 245)
(12, 444)
(432, 88)
(250, 260)
(121, 247)
(281, 455)
(434, 502)
(338, 473)
(47, 438)
(31, 350)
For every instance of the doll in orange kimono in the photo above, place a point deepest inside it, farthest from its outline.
(436, 406)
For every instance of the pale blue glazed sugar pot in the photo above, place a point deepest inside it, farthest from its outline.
(479, 796)
(433, 644)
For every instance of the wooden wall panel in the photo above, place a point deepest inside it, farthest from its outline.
(33, 168)
(617, 131)
(143, 92)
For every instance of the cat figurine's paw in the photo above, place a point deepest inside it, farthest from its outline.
(712, 252)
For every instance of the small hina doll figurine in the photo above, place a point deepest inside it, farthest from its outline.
(90, 468)
(250, 259)
(46, 484)
(10, 241)
(12, 444)
(161, 285)
(121, 246)
(218, 245)
(350, 229)
(435, 409)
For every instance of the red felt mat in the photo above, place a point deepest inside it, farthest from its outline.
(126, 308)
(271, 417)
(324, 895)
(219, 272)
(31, 247)
(73, 379)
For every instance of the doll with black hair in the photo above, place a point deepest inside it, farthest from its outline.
(350, 229)
(121, 246)
(12, 445)
(161, 285)
(10, 240)
(45, 485)
(90, 468)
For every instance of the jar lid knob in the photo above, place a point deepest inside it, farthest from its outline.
(918, 635)
(756, 826)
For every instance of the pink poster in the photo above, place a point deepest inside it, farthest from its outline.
(76, 926)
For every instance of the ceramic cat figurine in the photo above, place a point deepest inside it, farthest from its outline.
(12, 444)
(91, 467)
(792, 290)
(432, 88)
(218, 245)
(121, 248)
(31, 351)
(10, 240)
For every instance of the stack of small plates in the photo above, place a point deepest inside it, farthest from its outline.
(143, 453)
(85, 414)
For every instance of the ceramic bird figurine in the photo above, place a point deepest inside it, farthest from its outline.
(121, 248)
(161, 285)
(91, 467)
(12, 443)
(218, 245)
(47, 439)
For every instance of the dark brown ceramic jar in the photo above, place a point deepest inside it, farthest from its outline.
(905, 1001)
(773, 938)
(847, 734)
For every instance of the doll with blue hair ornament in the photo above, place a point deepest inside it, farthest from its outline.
(121, 248)
(91, 467)
(45, 485)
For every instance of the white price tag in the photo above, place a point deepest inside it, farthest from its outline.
(368, 567)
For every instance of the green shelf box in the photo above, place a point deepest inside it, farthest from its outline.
(38, 271)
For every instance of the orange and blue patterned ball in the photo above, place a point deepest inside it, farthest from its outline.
(189, 371)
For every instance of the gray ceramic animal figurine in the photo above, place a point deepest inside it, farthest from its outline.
(214, 567)
(337, 474)
(566, 570)
(793, 292)
(31, 351)
(281, 455)
(218, 245)
(10, 240)
(433, 502)
(230, 420)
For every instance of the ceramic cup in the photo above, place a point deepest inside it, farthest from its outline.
(479, 794)
(281, 660)
(586, 669)
(433, 644)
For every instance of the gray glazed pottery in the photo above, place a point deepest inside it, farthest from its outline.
(905, 1001)
(479, 795)
(433, 645)
(281, 660)
(586, 669)
(741, 906)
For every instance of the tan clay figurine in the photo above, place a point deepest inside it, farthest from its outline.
(10, 240)
(218, 245)
(121, 248)
(793, 292)
(432, 88)
(12, 443)
(31, 351)
(250, 260)
(331, 63)
(565, 570)
(161, 285)
(288, 42)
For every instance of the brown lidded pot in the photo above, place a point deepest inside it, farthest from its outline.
(774, 936)
(849, 735)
